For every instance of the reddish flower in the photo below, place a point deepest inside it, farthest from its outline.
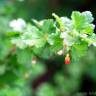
(67, 59)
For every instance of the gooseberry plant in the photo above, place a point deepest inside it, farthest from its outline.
(69, 37)
(33, 44)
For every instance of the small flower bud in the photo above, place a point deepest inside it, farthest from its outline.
(60, 52)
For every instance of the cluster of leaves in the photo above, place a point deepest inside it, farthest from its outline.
(72, 36)
(16, 66)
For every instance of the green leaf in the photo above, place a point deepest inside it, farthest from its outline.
(2, 69)
(33, 37)
(46, 53)
(24, 56)
(78, 51)
(78, 19)
(46, 90)
(4, 48)
(89, 29)
(55, 42)
(82, 21)
(40, 42)
(37, 69)
(8, 78)
(12, 34)
(48, 26)
(88, 15)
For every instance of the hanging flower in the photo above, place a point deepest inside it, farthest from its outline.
(67, 59)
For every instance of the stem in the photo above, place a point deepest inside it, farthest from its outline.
(76, 34)
(58, 19)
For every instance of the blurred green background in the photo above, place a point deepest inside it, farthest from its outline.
(77, 78)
